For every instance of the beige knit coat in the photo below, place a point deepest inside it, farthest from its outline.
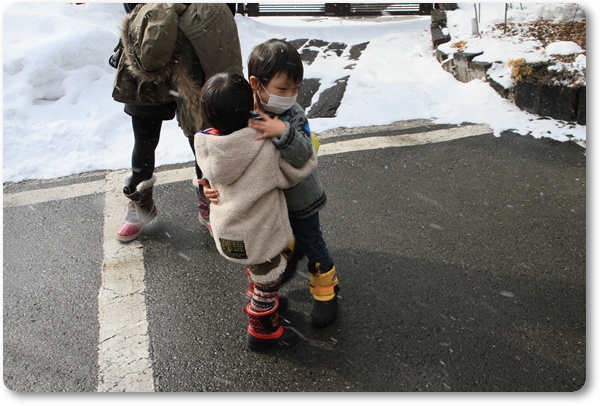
(250, 224)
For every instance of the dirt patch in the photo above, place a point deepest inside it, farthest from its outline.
(546, 32)
(561, 69)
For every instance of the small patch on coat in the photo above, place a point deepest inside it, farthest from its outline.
(233, 249)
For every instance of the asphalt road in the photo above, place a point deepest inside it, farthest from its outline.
(462, 267)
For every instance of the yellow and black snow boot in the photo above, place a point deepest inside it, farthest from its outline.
(324, 287)
(292, 256)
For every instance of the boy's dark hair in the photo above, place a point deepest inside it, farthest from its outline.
(227, 102)
(275, 56)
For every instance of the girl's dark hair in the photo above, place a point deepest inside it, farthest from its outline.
(226, 102)
(273, 57)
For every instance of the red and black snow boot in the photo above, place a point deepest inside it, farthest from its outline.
(265, 331)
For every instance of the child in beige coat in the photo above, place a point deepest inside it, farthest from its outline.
(275, 73)
(250, 224)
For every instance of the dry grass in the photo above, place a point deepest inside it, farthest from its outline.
(547, 32)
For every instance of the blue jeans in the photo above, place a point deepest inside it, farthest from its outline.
(310, 242)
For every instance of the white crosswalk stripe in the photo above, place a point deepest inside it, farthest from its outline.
(124, 346)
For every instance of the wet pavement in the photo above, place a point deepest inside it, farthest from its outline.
(462, 267)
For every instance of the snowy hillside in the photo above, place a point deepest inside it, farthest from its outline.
(60, 119)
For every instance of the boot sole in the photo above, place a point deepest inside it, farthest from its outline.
(256, 344)
(322, 322)
(130, 238)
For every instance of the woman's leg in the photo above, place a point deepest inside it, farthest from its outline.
(146, 134)
(203, 202)
(198, 170)
(139, 183)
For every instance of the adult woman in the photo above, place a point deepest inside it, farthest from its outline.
(169, 50)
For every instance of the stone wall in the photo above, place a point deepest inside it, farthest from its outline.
(558, 102)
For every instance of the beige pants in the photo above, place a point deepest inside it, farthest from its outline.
(268, 272)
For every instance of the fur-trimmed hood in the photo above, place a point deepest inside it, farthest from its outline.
(169, 50)
(149, 36)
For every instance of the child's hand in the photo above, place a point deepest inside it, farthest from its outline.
(269, 127)
(211, 194)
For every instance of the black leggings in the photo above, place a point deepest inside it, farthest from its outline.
(146, 133)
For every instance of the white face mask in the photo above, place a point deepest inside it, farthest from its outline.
(277, 104)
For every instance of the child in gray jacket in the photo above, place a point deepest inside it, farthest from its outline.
(250, 224)
(275, 72)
